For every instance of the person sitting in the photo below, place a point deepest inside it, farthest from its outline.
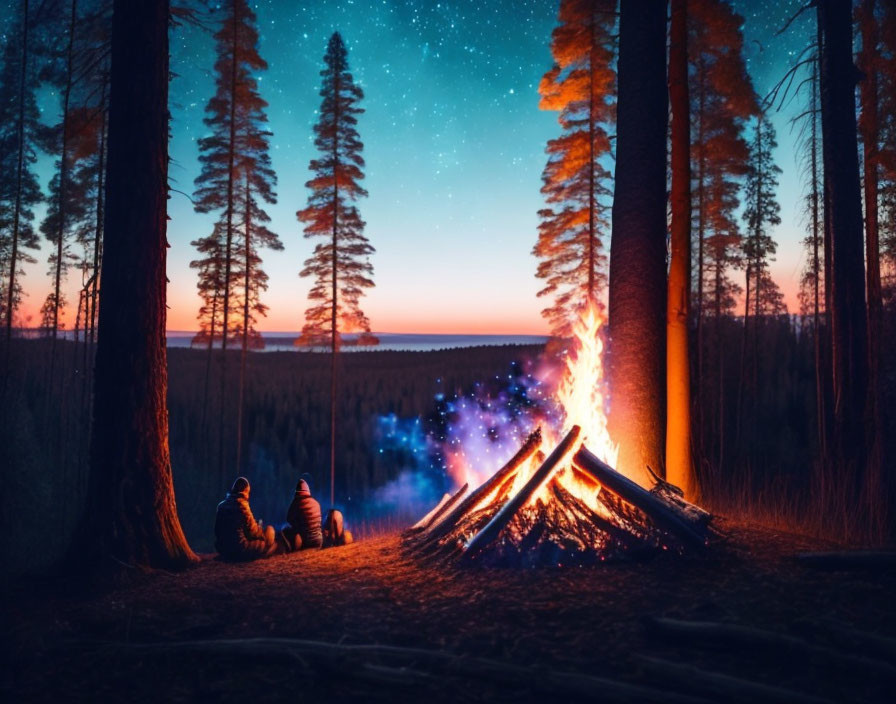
(302, 529)
(238, 536)
(334, 530)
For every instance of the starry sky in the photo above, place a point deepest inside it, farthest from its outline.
(454, 144)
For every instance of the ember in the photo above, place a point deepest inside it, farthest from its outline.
(569, 506)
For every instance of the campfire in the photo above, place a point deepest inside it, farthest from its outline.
(559, 500)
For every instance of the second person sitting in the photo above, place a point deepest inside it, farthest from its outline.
(303, 527)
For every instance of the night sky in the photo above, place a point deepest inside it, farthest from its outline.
(454, 144)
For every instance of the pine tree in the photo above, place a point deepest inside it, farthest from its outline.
(131, 514)
(236, 179)
(637, 286)
(580, 85)
(340, 263)
(844, 219)
(21, 136)
(679, 460)
(722, 100)
(63, 202)
(761, 211)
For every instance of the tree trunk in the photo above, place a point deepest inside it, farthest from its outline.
(699, 396)
(679, 463)
(228, 251)
(869, 126)
(20, 168)
(244, 351)
(637, 297)
(131, 514)
(848, 313)
(334, 335)
(820, 386)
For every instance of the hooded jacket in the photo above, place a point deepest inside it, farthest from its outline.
(304, 516)
(237, 534)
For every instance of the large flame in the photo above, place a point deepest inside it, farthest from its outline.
(582, 390)
(581, 396)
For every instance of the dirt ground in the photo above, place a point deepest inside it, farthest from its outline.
(241, 632)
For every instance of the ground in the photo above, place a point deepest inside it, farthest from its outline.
(213, 632)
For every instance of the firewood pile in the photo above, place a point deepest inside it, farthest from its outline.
(573, 509)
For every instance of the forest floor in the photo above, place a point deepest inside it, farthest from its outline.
(241, 632)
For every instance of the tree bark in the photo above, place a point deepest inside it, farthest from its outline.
(848, 312)
(637, 296)
(870, 129)
(131, 514)
(679, 463)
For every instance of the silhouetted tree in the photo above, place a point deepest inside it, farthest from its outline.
(236, 179)
(340, 264)
(57, 227)
(811, 293)
(843, 200)
(869, 128)
(131, 514)
(722, 100)
(637, 300)
(21, 135)
(580, 85)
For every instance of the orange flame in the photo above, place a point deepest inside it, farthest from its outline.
(582, 397)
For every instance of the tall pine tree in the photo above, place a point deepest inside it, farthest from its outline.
(580, 86)
(21, 136)
(722, 101)
(760, 213)
(340, 264)
(235, 181)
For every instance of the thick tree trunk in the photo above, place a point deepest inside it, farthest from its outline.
(679, 463)
(848, 312)
(637, 299)
(131, 514)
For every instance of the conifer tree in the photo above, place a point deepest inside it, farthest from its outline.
(679, 460)
(340, 263)
(57, 227)
(235, 181)
(722, 100)
(849, 344)
(577, 183)
(761, 211)
(637, 285)
(21, 136)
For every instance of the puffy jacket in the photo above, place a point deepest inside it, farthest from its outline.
(237, 534)
(304, 516)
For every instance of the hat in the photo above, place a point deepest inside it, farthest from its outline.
(240, 485)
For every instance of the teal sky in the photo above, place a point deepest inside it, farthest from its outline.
(454, 144)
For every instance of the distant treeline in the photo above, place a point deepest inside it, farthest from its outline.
(768, 459)
(44, 433)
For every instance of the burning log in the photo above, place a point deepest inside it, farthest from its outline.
(509, 509)
(440, 514)
(423, 522)
(529, 448)
(660, 512)
(585, 512)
